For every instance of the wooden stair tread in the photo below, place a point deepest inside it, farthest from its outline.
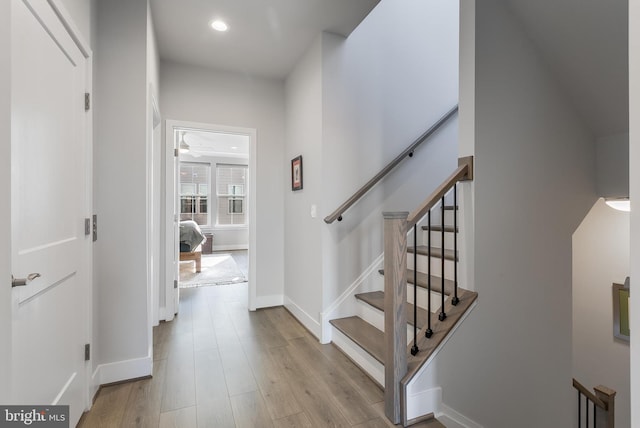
(435, 252)
(449, 207)
(436, 282)
(438, 228)
(376, 299)
(364, 334)
(372, 340)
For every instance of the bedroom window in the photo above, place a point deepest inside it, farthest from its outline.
(194, 192)
(231, 182)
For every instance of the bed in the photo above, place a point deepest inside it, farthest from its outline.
(191, 239)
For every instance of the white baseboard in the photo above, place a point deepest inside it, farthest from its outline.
(456, 417)
(122, 370)
(269, 301)
(307, 320)
(424, 402)
(230, 247)
(359, 356)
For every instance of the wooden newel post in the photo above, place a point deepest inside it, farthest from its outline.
(395, 316)
(608, 396)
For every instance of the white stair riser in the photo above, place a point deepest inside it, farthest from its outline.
(435, 265)
(436, 239)
(436, 298)
(369, 364)
(375, 317)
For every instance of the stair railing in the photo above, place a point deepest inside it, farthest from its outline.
(408, 152)
(396, 227)
(599, 407)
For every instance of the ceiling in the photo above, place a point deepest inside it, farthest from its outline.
(585, 44)
(265, 38)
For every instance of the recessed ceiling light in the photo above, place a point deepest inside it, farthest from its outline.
(234, 148)
(219, 25)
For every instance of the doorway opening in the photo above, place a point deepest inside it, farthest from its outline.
(209, 209)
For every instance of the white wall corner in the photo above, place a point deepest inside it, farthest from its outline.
(123, 370)
(305, 319)
(424, 402)
(455, 419)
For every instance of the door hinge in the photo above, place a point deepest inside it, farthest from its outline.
(87, 352)
(175, 283)
(176, 152)
(95, 227)
(87, 101)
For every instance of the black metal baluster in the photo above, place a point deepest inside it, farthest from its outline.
(429, 332)
(455, 299)
(586, 410)
(442, 315)
(579, 409)
(594, 415)
(414, 348)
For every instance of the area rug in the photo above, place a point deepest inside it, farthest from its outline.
(217, 269)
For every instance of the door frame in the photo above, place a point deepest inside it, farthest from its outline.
(170, 200)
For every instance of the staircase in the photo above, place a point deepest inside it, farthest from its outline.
(399, 331)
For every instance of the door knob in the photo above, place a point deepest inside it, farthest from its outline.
(19, 282)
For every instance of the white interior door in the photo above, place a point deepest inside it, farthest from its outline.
(48, 203)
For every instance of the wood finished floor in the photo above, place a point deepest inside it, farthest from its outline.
(218, 365)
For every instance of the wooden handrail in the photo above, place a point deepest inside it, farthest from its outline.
(463, 172)
(337, 214)
(590, 395)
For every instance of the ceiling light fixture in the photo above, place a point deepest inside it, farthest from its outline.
(219, 25)
(620, 204)
(184, 147)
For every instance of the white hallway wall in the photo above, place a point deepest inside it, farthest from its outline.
(196, 94)
(352, 106)
(534, 182)
(120, 190)
(600, 258)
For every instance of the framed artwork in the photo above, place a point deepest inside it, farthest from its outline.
(621, 328)
(296, 173)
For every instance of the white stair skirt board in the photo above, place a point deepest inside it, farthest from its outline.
(124, 370)
(424, 402)
(453, 419)
(435, 265)
(362, 358)
(305, 319)
(346, 305)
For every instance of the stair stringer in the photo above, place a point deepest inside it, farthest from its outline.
(424, 381)
(346, 305)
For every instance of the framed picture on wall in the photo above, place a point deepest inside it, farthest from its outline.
(296, 173)
(621, 328)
